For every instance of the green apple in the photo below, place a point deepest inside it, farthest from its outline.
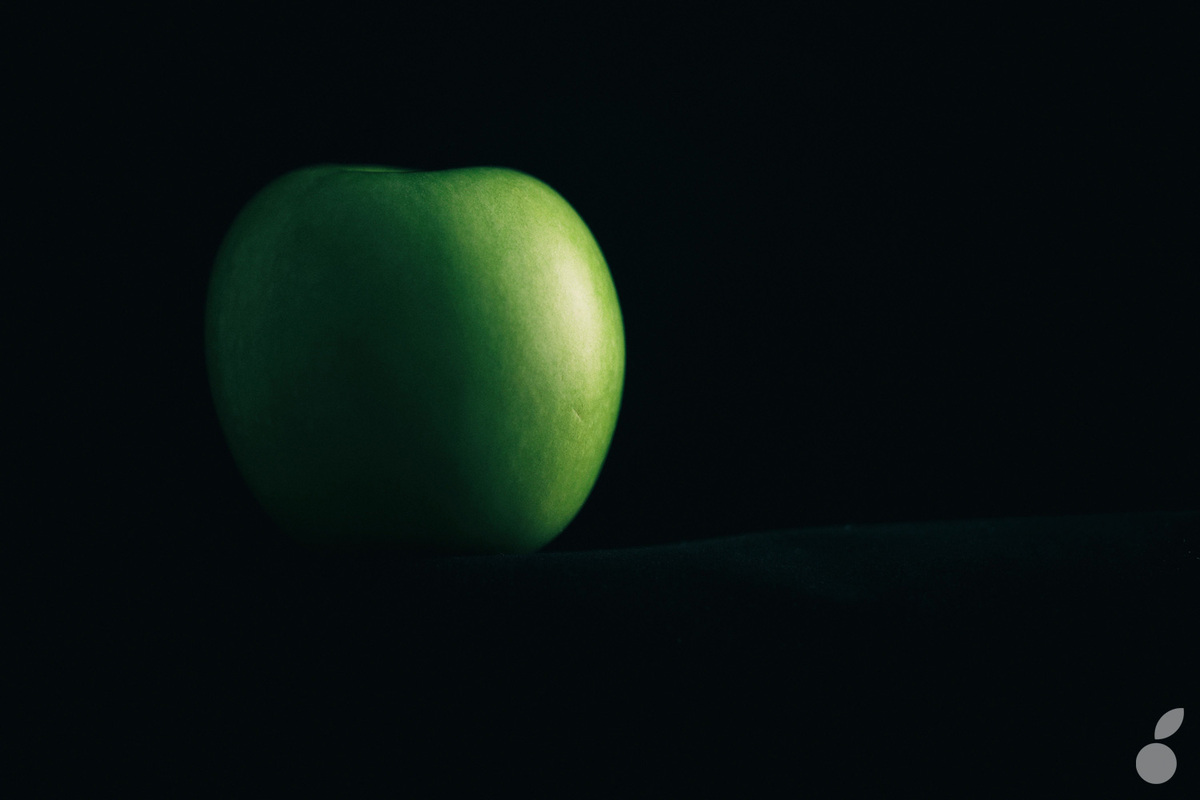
(428, 360)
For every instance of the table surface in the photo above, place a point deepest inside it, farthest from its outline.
(952, 656)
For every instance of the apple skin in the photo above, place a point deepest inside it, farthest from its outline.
(429, 361)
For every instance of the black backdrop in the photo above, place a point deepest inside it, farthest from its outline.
(875, 267)
(872, 267)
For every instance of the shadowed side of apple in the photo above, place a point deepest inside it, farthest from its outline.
(430, 362)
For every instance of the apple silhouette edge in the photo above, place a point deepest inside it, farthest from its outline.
(430, 361)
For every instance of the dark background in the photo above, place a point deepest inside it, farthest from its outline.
(897, 266)
(873, 267)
